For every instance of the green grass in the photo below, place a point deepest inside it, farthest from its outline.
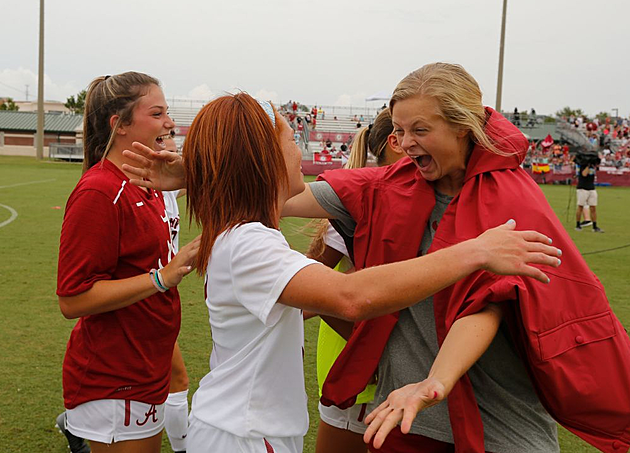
(34, 333)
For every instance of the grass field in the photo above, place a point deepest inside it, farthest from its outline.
(33, 333)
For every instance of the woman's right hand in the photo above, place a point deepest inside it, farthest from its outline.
(402, 406)
(182, 264)
(163, 170)
(509, 252)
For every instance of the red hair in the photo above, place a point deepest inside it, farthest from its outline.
(234, 167)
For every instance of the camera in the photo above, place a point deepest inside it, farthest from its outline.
(587, 159)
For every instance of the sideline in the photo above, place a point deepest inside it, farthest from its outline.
(25, 184)
(606, 250)
(13, 212)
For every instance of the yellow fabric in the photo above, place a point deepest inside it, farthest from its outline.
(329, 346)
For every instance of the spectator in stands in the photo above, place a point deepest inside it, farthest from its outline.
(294, 107)
(358, 124)
(531, 119)
(335, 118)
(517, 117)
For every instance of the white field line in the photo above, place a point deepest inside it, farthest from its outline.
(27, 183)
(13, 212)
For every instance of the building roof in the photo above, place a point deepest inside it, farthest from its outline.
(27, 121)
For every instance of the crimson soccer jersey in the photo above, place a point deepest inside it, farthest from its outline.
(114, 230)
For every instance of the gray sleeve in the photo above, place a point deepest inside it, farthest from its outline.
(328, 199)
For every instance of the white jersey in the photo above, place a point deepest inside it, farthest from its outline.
(255, 387)
(172, 211)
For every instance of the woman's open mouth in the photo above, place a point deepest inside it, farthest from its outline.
(159, 142)
(423, 161)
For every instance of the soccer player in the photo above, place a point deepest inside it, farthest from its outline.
(118, 274)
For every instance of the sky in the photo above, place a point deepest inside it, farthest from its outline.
(327, 52)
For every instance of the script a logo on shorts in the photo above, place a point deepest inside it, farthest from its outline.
(152, 412)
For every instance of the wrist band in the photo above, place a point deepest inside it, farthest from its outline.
(154, 275)
(161, 280)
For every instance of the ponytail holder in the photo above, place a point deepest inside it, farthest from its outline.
(107, 77)
(266, 106)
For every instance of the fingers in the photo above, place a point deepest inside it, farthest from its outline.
(535, 236)
(409, 415)
(549, 250)
(390, 422)
(141, 182)
(535, 273)
(372, 415)
(138, 159)
(144, 150)
(543, 258)
(184, 271)
(377, 416)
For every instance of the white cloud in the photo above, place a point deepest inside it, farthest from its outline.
(346, 100)
(201, 92)
(266, 95)
(17, 79)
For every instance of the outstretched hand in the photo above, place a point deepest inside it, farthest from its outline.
(403, 405)
(510, 252)
(160, 170)
(182, 264)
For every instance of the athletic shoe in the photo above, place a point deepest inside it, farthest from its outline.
(597, 230)
(578, 228)
(75, 443)
(586, 223)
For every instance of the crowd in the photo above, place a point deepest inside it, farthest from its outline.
(610, 137)
(452, 343)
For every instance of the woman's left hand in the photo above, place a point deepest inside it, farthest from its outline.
(402, 404)
(510, 252)
(182, 264)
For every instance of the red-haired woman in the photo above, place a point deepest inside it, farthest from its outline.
(117, 274)
(242, 165)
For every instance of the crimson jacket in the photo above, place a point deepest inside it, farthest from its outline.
(576, 351)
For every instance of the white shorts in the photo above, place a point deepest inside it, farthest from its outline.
(350, 419)
(204, 438)
(109, 421)
(586, 197)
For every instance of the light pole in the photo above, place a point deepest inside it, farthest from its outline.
(40, 86)
(501, 48)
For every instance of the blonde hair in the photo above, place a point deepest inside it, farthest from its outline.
(108, 96)
(457, 94)
(372, 139)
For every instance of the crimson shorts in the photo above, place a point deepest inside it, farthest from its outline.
(397, 442)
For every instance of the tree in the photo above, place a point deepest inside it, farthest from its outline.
(76, 105)
(601, 116)
(8, 104)
(568, 111)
